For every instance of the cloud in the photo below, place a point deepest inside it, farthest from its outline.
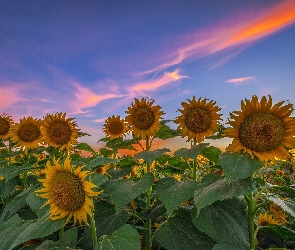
(239, 81)
(152, 85)
(235, 33)
(85, 98)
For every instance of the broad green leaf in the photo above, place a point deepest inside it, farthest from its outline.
(38, 229)
(10, 171)
(150, 156)
(118, 143)
(166, 132)
(288, 190)
(238, 166)
(212, 189)
(17, 203)
(287, 205)
(125, 238)
(100, 161)
(98, 179)
(36, 202)
(179, 233)
(86, 147)
(69, 238)
(192, 152)
(122, 191)
(225, 222)
(172, 192)
(212, 154)
(279, 232)
(115, 174)
(106, 218)
(224, 247)
(6, 187)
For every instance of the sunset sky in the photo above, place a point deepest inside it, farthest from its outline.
(90, 59)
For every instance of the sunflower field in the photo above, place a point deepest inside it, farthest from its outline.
(55, 196)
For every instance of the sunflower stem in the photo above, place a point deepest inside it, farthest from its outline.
(251, 205)
(10, 151)
(195, 163)
(93, 230)
(148, 203)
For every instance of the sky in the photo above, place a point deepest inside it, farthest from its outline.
(90, 59)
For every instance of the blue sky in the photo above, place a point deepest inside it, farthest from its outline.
(90, 59)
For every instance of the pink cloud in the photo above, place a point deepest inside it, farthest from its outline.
(10, 95)
(235, 33)
(239, 80)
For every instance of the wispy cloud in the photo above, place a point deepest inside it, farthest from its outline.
(232, 34)
(240, 81)
(154, 84)
(86, 98)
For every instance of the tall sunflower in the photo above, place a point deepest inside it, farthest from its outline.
(27, 133)
(67, 192)
(262, 129)
(5, 124)
(59, 131)
(144, 118)
(115, 127)
(199, 119)
(265, 219)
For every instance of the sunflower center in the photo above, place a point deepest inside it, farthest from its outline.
(198, 120)
(143, 118)
(67, 191)
(60, 132)
(4, 126)
(28, 132)
(116, 127)
(261, 132)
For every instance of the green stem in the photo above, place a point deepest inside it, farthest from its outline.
(195, 163)
(61, 232)
(93, 230)
(148, 203)
(10, 151)
(251, 203)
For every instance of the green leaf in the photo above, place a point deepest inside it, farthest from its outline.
(98, 179)
(212, 189)
(279, 232)
(192, 152)
(179, 233)
(118, 143)
(38, 229)
(125, 238)
(10, 171)
(150, 156)
(115, 174)
(17, 203)
(224, 247)
(288, 205)
(100, 161)
(6, 187)
(86, 147)
(165, 132)
(238, 166)
(225, 222)
(122, 191)
(172, 192)
(107, 220)
(36, 202)
(212, 154)
(69, 238)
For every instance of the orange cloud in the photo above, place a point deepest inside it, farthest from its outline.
(167, 78)
(85, 98)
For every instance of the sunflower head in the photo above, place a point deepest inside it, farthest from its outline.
(59, 131)
(198, 119)
(144, 118)
(265, 219)
(67, 192)
(5, 124)
(262, 129)
(114, 127)
(27, 133)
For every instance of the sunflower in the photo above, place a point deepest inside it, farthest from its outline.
(262, 129)
(265, 219)
(278, 213)
(115, 127)
(5, 124)
(27, 133)
(144, 118)
(199, 119)
(59, 132)
(67, 192)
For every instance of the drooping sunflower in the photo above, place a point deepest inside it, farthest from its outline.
(27, 133)
(144, 118)
(67, 192)
(5, 124)
(262, 129)
(59, 131)
(265, 219)
(199, 119)
(115, 127)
